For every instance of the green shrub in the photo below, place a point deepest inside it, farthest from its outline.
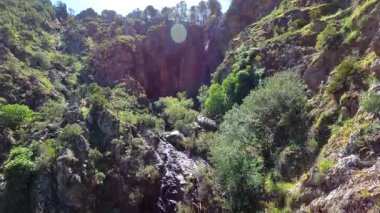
(329, 38)
(208, 189)
(99, 177)
(277, 188)
(204, 142)
(278, 108)
(216, 102)
(95, 156)
(239, 174)
(178, 111)
(371, 103)
(148, 173)
(149, 121)
(233, 90)
(41, 59)
(252, 135)
(18, 170)
(98, 100)
(325, 165)
(14, 115)
(9, 34)
(202, 95)
(184, 208)
(2, 101)
(85, 111)
(296, 24)
(71, 132)
(315, 13)
(126, 39)
(345, 74)
(47, 153)
(52, 111)
(189, 143)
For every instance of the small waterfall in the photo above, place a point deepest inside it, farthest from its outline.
(178, 168)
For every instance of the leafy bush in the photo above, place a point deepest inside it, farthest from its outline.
(178, 111)
(98, 100)
(52, 110)
(95, 156)
(18, 170)
(149, 121)
(99, 177)
(233, 90)
(143, 120)
(9, 34)
(40, 59)
(202, 95)
(239, 173)
(278, 108)
(209, 190)
(14, 115)
(252, 135)
(325, 165)
(347, 73)
(2, 101)
(47, 153)
(189, 143)
(371, 103)
(85, 111)
(204, 143)
(329, 38)
(148, 173)
(71, 132)
(216, 103)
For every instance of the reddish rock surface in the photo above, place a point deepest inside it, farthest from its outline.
(241, 13)
(164, 67)
(160, 65)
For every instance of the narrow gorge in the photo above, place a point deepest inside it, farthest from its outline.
(265, 106)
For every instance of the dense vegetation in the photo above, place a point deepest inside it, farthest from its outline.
(288, 122)
(253, 135)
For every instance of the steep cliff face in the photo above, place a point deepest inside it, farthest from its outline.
(109, 148)
(243, 13)
(164, 67)
(288, 38)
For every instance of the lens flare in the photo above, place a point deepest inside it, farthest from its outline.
(178, 33)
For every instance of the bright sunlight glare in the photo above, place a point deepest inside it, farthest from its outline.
(178, 33)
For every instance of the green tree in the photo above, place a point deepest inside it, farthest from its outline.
(18, 170)
(252, 135)
(98, 100)
(14, 115)
(202, 12)
(330, 37)
(240, 174)
(71, 132)
(371, 103)
(202, 95)
(216, 103)
(178, 111)
(215, 7)
(61, 11)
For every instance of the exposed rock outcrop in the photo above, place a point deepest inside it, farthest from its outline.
(178, 172)
(207, 123)
(175, 138)
(162, 66)
(346, 180)
(241, 14)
